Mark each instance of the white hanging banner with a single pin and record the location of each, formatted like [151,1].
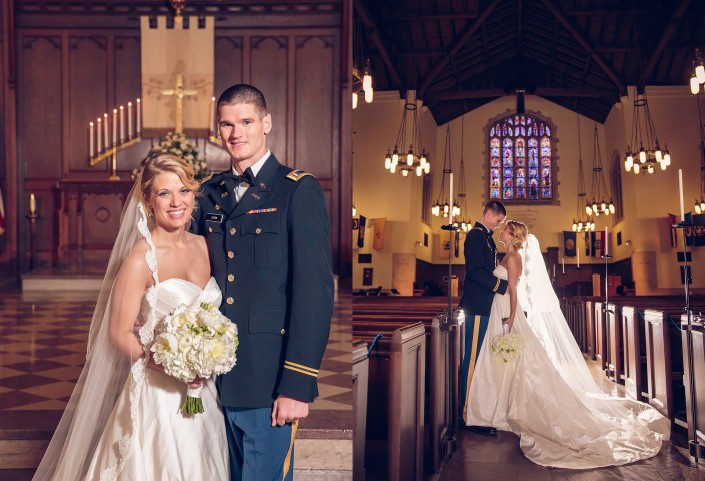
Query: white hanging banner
[177,74]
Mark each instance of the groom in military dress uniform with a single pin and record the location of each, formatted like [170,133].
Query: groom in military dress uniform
[267,231]
[479,288]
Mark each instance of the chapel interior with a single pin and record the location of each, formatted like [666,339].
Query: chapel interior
[581,84]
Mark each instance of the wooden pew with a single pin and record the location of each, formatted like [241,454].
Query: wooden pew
[371,317]
[405,422]
[360,367]
[634,345]
[444,369]
[664,364]
[614,336]
[590,329]
[696,427]
[600,325]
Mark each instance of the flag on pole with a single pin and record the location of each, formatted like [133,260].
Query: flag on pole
[674,231]
[378,241]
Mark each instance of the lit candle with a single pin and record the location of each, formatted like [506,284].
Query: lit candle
[139,115]
[114,127]
[578,258]
[98,137]
[122,123]
[32,204]
[105,130]
[607,242]
[680,191]
[211,117]
[554,270]
[563,265]
[129,120]
[90,140]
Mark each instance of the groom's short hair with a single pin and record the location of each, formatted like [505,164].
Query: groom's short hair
[244,94]
[496,207]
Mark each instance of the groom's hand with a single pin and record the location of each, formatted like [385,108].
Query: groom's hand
[287,410]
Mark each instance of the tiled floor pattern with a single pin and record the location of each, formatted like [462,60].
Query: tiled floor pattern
[42,349]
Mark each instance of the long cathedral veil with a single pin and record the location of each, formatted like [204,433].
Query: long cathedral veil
[544,315]
[104,373]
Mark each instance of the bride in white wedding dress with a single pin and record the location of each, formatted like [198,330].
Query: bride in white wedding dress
[548,397]
[123,420]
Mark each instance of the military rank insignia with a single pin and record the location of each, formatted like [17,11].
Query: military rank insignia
[297,175]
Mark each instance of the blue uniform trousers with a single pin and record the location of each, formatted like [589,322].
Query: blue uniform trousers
[258,451]
[475,329]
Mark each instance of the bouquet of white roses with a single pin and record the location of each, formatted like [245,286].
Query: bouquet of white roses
[195,341]
[507,346]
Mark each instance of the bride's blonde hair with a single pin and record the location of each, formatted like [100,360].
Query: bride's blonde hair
[518,231]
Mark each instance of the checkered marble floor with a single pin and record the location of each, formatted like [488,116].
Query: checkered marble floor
[43,346]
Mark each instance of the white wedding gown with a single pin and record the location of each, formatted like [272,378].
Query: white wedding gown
[560,423]
[169,445]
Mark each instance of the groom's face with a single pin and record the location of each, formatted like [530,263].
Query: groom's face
[494,220]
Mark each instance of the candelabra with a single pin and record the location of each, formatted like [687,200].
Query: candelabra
[101,146]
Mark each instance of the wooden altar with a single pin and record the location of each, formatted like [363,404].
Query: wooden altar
[89,219]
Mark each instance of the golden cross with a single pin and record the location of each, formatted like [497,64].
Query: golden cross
[179,92]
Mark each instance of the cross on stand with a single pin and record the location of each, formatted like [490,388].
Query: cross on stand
[179,92]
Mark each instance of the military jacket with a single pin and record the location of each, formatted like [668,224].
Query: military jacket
[270,254]
[480,283]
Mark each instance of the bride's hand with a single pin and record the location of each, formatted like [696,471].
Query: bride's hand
[196,383]
[510,323]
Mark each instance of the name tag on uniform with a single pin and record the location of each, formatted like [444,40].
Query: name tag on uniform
[214,217]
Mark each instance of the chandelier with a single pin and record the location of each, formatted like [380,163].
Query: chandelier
[698,77]
[439,209]
[700,206]
[416,158]
[598,187]
[644,135]
[361,79]
[579,224]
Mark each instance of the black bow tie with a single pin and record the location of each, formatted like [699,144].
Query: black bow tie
[246,177]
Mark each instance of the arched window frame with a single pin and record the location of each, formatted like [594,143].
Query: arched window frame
[540,143]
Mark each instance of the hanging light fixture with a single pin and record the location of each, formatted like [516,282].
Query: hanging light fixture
[460,222]
[361,78]
[442,206]
[649,154]
[598,187]
[698,73]
[580,224]
[416,158]
[699,207]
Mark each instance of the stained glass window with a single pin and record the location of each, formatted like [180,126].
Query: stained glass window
[521,160]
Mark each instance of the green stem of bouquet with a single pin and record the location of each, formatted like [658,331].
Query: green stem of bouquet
[192,405]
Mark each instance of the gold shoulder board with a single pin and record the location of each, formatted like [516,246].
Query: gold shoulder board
[297,175]
[207,178]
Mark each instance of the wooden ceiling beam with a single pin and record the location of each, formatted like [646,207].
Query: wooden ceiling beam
[586,46]
[378,41]
[665,37]
[457,45]
[540,91]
